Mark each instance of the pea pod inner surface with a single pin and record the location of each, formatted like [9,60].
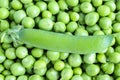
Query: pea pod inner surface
[64,42]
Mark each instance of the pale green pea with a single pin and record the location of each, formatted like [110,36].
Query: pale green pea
[72,3]
[45,58]
[99,32]
[19,15]
[40,71]
[107,31]
[1,68]
[101,58]
[46,14]
[112,16]
[39,64]
[37,52]
[81,32]
[22,77]
[2,56]
[63,5]
[74,16]
[28,61]
[63,55]
[53,7]
[114,57]
[117,49]
[4,13]
[72,26]
[10,53]
[26,1]
[10,77]
[76,8]
[7,63]
[77,71]
[103,77]
[59,65]
[52,74]
[111,5]
[7,39]
[89,58]
[41,5]
[35,77]
[108,68]
[76,77]
[4,25]
[86,77]
[4,3]
[97,3]
[116,27]
[59,27]
[16,4]
[2,77]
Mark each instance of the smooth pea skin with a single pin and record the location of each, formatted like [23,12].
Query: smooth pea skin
[86,77]
[1,68]
[4,25]
[4,3]
[74,16]
[76,77]
[72,3]
[59,65]
[111,5]
[26,1]
[22,77]
[4,13]
[63,5]
[46,14]
[117,70]
[35,77]
[10,77]
[7,63]
[2,77]
[59,27]
[116,27]
[41,5]
[17,69]
[114,57]
[2,56]
[33,11]
[97,3]
[40,39]
[16,4]
[10,53]
[91,18]
[45,24]
[103,77]
[53,7]
[63,55]
[37,52]
[72,26]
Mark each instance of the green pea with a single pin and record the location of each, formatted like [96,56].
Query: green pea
[63,5]
[91,18]
[45,24]
[77,71]
[92,29]
[39,64]
[17,69]
[63,17]
[82,18]
[52,74]
[35,77]
[86,7]
[37,19]
[117,17]
[45,58]
[59,27]
[116,27]
[117,70]
[41,5]
[52,55]
[72,3]
[11,12]
[81,32]
[6,72]
[37,52]
[1,68]
[4,4]
[10,77]
[4,25]
[4,13]
[26,1]
[7,63]
[101,58]
[33,11]
[21,52]
[2,56]
[74,16]
[22,77]
[16,4]
[103,77]
[28,61]
[28,5]
[28,22]
[72,26]
[117,39]
[1,77]
[86,77]
[40,71]
[53,7]
[10,53]
[76,8]
[105,22]
[59,65]
[97,3]
[74,60]
[112,16]
[103,10]
[89,58]
[19,15]
[7,39]
[108,68]
[85,1]
[117,49]
[63,55]
[118,4]
[107,31]
[76,77]
[114,57]
[46,14]
[92,69]
[111,5]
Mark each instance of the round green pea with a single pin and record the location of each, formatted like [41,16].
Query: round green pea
[22,77]
[72,3]
[103,10]
[59,65]
[46,14]
[74,60]
[52,55]
[76,8]
[7,63]
[74,16]
[118,5]
[53,7]
[21,52]
[10,53]
[37,52]
[101,58]
[35,77]
[45,58]
[114,57]
[63,17]
[103,77]
[41,5]
[45,24]
[62,5]
[4,3]
[33,11]
[59,27]
[19,15]
[6,72]
[63,55]
[82,18]
[26,1]
[40,71]
[81,32]
[97,3]
[77,71]
[112,16]
[117,70]
[111,5]
[92,69]
[16,4]
[117,49]
[86,7]
[10,77]
[17,69]
[72,26]
[4,13]
[85,1]
[2,57]
[76,77]
[116,27]
[4,25]
[39,64]
[91,18]
[107,31]
[28,22]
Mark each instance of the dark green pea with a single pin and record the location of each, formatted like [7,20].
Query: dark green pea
[6,72]
[118,4]
[118,17]
[117,70]
[117,49]
[82,18]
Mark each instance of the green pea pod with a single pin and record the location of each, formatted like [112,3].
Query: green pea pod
[63,42]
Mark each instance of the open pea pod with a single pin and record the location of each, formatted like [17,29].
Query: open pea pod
[64,42]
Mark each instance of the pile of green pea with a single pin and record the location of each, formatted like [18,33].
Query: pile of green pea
[74,17]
